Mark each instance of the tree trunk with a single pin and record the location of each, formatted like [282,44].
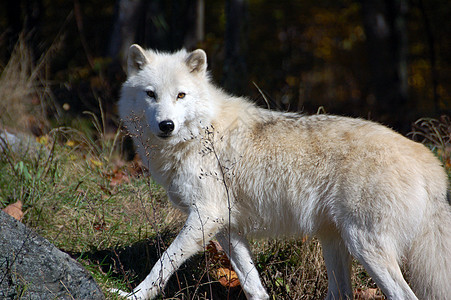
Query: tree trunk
[195,33]
[235,71]
[124,28]
[386,33]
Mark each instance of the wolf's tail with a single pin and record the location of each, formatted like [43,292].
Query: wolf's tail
[429,260]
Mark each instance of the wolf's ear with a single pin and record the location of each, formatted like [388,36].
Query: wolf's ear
[137,59]
[197,61]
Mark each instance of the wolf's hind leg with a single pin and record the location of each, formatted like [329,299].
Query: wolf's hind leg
[237,249]
[377,255]
[338,265]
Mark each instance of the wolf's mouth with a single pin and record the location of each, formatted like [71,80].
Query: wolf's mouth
[164,136]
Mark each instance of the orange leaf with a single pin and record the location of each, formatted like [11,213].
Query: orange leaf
[227,277]
[224,273]
[14,210]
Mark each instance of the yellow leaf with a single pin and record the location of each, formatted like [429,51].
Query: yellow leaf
[43,139]
[70,143]
[96,162]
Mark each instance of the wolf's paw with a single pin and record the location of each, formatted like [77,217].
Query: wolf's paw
[135,295]
[121,293]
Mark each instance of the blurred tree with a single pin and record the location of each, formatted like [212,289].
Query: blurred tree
[195,34]
[235,71]
[431,44]
[386,38]
[127,14]
[164,25]
[301,54]
[24,17]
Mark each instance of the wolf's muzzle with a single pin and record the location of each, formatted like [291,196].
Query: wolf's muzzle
[166,127]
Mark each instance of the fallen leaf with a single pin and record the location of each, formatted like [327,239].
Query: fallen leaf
[368,294]
[227,277]
[99,226]
[43,140]
[218,255]
[224,272]
[118,177]
[135,168]
[14,210]
[95,162]
[214,247]
[70,143]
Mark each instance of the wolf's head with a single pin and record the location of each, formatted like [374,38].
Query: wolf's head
[167,93]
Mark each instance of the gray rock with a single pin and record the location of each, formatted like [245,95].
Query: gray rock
[19,144]
[32,268]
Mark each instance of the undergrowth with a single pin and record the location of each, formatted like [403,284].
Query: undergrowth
[436,134]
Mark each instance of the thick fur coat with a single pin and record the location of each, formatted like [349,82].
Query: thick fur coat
[237,170]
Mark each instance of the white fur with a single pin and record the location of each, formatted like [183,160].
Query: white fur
[238,170]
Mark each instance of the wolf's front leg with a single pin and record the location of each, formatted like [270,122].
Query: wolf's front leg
[198,230]
[237,249]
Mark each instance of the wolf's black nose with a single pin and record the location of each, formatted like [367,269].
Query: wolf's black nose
[166,126]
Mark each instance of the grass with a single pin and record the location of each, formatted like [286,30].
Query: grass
[436,134]
[80,194]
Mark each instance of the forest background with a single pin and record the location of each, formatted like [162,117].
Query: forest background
[387,61]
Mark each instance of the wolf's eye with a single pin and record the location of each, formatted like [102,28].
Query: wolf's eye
[151,94]
[181,95]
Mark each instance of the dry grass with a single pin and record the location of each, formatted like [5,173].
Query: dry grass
[25,95]
[436,134]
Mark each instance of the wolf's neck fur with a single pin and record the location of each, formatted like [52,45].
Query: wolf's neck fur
[231,111]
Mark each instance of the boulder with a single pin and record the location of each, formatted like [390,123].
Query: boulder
[32,268]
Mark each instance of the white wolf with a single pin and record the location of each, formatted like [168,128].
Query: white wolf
[238,170]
